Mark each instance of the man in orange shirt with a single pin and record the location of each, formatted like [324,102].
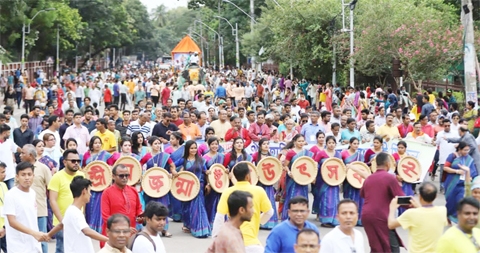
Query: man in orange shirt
[188,130]
[260,91]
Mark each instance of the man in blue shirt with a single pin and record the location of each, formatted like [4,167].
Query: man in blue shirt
[116,93]
[310,130]
[220,91]
[281,238]
[350,132]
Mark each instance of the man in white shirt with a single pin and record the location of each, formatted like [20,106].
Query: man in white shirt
[7,154]
[79,133]
[77,235]
[149,240]
[344,237]
[53,126]
[20,209]
[444,147]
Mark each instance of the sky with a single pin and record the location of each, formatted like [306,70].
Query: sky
[170,4]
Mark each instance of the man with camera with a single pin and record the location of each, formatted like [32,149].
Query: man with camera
[424,222]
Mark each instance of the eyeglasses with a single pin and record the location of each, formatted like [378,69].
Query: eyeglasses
[74,160]
[119,232]
[123,175]
[299,211]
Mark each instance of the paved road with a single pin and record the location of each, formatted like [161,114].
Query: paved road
[181,242]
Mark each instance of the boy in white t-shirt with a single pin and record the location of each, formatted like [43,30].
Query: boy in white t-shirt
[156,217]
[20,210]
[77,235]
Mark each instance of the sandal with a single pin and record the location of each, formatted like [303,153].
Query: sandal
[165,233]
[185,230]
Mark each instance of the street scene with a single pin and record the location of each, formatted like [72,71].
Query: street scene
[239,126]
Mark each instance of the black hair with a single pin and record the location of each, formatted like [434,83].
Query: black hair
[307,231]
[77,114]
[198,164]
[461,145]
[325,114]
[378,138]
[136,146]
[155,208]
[23,166]
[350,120]
[3,165]
[208,129]
[291,144]
[346,201]
[260,143]
[319,133]
[382,159]
[69,151]
[52,119]
[331,137]
[78,184]
[212,140]
[24,116]
[240,171]
[92,140]
[237,200]
[467,201]
[403,143]
[70,140]
[178,136]
[70,111]
[297,200]
[428,191]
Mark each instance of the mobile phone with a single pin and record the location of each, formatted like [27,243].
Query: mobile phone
[404,200]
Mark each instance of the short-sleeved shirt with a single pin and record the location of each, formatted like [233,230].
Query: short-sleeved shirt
[40,182]
[455,241]
[390,131]
[425,226]
[3,192]
[261,203]
[60,183]
[74,240]
[229,240]
[108,139]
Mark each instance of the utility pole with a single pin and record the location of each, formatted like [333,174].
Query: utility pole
[201,45]
[237,47]
[57,68]
[351,5]
[252,14]
[469,58]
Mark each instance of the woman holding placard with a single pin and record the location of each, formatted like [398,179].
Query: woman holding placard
[264,151]
[406,187]
[329,195]
[212,197]
[350,155]
[195,219]
[156,158]
[319,148]
[176,151]
[238,154]
[93,211]
[294,151]
[455,177]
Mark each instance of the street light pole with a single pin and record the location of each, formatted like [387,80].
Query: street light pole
[220,43]
[58,51]
[25,32]
[352,69]
[235,33]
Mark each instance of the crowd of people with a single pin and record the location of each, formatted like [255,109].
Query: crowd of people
[77,119]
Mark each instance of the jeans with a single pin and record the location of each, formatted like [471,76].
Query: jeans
[440,168]
[3,244]
[59,247]
[42,227]
[10,183]
[394,242]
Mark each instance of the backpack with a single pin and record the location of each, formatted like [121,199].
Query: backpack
[132,240]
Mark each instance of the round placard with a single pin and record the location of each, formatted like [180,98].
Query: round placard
[218,177]
[269,170]
[253,173]
[333,171]
[373,165]
[409,169]
[185,186]
[304,170]
[156,182]
[353,178]
[134,168]
[100,174]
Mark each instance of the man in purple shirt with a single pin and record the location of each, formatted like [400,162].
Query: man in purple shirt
[116,93]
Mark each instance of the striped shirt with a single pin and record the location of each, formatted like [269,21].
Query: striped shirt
[134,126]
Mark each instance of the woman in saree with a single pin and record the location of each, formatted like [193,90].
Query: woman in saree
[455,178]
[138,144]
[238,154]
[373,151]
[294,151]
[70,143]
[125,147]
[264,151]
[351,155]
[41,157]
[50,150]
[203,147]
[290,131]
[176,151]
[162,160]
[93,212]
[195,219]
[406,187]
[317,149]
[212,197]
[329,196]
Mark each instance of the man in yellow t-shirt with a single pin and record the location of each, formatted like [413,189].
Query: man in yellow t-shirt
[424,223]
[261,204]
[59,190]
[388,131]
[465,237]
[109,143]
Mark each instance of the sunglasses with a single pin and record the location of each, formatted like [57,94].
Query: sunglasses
[123,175]
[74,160]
